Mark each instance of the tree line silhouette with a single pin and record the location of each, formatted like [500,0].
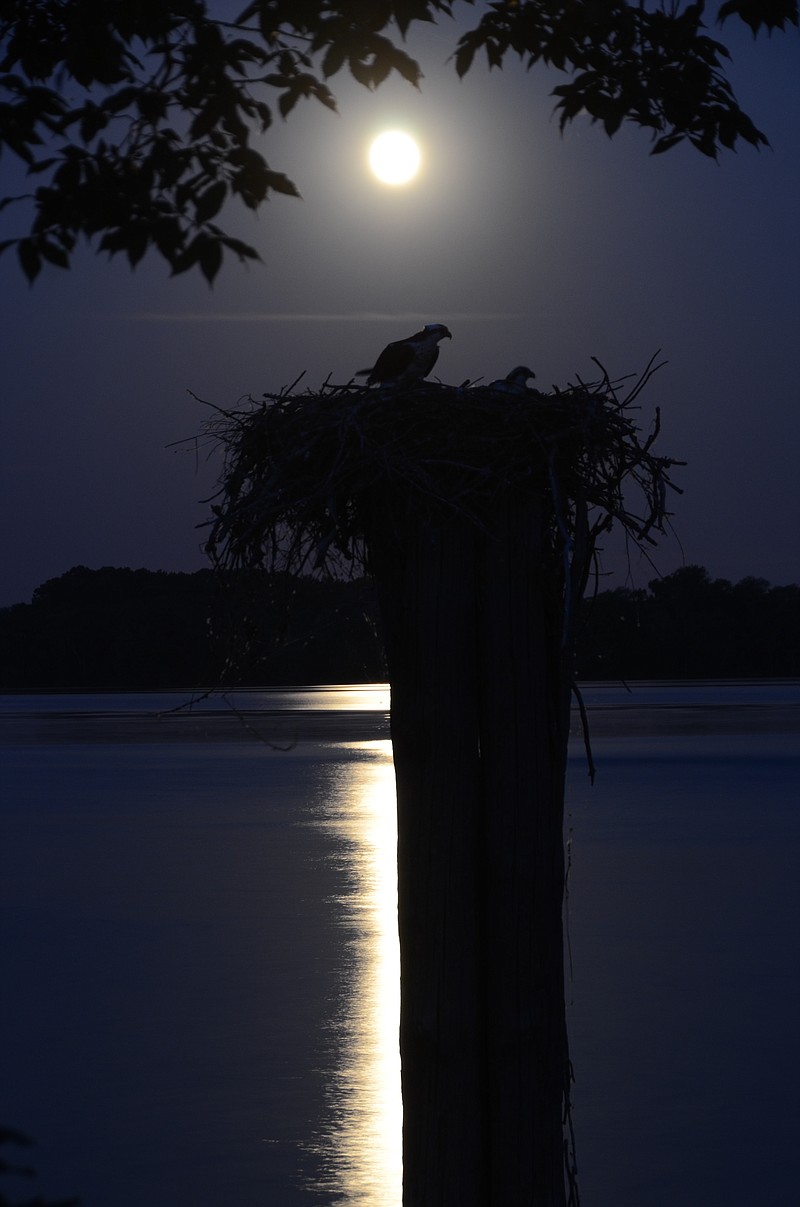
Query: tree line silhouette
[128,629]
[140,629]
[690,626]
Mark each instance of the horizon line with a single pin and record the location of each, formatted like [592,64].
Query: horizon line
[189,316]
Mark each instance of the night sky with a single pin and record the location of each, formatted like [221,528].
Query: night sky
[531,247]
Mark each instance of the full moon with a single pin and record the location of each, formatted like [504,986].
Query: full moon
[394,157]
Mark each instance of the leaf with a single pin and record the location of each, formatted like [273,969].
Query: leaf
[282,184]
[324,96]
[204,121]
[728,131]
[334,59]
[264,114]
[166,233]
[20,146]
[29,259]
[93,121]
[41,165]
[571,104]
[494,54]
[466,50]
[665,142]
[123,98]
[613,119]
[182,261]
[361,72]
[241,50]
[54,254]
[750,133]
[266,20]
[404,65]
[137,245]
[755,13]
[381,66]
[704,142]
[209,203]
[210,259]
[287,101]
[243,250]
[113,241]
[186,259]
[151,103]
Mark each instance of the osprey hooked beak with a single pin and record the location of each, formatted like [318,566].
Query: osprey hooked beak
[437,329]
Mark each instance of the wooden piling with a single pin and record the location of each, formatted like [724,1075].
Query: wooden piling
[479,737]
[477,512]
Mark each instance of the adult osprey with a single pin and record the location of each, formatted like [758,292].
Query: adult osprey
[514,382]
[407,361]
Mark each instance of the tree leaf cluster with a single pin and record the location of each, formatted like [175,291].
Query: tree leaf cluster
[655,67]
[158,136]
[137,123]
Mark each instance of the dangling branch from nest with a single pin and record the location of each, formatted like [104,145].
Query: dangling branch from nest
[301,470]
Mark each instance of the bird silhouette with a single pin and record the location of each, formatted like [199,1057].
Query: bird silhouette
[407,361]
[514,382]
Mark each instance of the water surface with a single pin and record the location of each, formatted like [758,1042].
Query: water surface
[199,962]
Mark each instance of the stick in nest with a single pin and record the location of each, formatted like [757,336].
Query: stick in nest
[301,471]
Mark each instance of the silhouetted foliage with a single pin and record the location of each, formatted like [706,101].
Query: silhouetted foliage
[108,627]
[690,626]
[126,629]
[10,1136]
[134,629]
[655,67]
[141,120]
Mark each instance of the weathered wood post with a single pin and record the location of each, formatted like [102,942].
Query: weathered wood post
[471,510]
[473,618]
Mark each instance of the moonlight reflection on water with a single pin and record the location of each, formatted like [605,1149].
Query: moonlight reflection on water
[208,925]
[362,1152]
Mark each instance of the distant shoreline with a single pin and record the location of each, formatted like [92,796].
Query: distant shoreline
[282,730]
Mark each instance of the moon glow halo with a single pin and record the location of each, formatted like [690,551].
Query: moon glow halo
[394,157]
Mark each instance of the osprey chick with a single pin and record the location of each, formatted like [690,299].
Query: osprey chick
[408,361]
[514,382]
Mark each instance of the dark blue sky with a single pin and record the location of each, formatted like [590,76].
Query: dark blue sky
[532,248]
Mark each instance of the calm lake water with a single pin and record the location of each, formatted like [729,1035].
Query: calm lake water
[199,966]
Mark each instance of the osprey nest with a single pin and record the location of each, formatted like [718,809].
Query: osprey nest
[308,475]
